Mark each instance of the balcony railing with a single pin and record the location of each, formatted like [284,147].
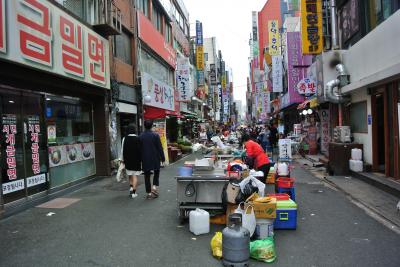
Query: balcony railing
[109,18]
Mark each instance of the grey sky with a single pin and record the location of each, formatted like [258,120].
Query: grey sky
[230,22]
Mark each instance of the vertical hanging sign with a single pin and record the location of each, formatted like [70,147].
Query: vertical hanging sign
[182,79]
[277,83]
[311,26]
[274,38]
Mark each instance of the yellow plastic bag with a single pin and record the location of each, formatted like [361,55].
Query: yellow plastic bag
[216,245]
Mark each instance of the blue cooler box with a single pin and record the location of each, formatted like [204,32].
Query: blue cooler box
[286,214]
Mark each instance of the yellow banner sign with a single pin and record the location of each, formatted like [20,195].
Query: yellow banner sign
[223,82]
[311,26]
[200,57]
[274,38]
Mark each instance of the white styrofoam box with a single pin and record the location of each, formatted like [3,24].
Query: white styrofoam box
[356,165]
[356,154]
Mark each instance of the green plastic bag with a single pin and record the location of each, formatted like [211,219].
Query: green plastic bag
[263,250]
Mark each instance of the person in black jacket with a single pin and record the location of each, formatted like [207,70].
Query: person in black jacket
[152,156]
[131,157]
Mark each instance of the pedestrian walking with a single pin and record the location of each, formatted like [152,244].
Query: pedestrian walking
[131,157]
[152,156]
[255,151]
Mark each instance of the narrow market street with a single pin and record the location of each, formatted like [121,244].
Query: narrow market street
[107,228]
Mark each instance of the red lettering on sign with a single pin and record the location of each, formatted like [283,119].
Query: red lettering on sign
[35,33]
[2,26]
[96,59]
[72,52]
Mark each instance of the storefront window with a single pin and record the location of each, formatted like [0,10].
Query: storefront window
[70,138]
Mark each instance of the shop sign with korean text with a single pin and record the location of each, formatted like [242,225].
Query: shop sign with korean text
[277,83]
[161,94]
[40,35]
[325,130]
[254,40]
[183,79]
[200,57]
[274,38]
[199,33]
[213,75]
[306,87]
[311,26]
[155,40]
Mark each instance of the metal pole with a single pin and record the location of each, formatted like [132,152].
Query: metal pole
[334,25]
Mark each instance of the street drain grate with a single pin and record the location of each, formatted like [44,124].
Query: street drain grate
[59,203]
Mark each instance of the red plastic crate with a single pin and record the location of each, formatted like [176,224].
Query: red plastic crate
[285,182]
[279,196]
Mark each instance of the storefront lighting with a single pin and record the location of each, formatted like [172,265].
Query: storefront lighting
[147,99]
[11,101]
[48,99]
[204,104]
[304,112]
[309,111]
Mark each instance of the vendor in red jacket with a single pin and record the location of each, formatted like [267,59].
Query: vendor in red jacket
[255,151]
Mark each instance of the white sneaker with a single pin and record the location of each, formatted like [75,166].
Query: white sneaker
[134,195]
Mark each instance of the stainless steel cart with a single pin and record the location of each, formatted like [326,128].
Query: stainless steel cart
[199,191]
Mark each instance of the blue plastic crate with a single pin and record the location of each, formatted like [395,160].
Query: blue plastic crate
[286,215]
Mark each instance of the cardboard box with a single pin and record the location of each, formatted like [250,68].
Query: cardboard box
[262,210]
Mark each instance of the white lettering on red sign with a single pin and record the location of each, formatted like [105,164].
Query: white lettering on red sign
[96,59]
[2,26]
[35,35]
[10,130]
[72,46]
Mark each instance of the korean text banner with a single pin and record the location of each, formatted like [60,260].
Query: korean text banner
[274,38]
[277,83]
[161,94]
[42,36]
[311,26]
[199,33]
[199,57]
[183,79]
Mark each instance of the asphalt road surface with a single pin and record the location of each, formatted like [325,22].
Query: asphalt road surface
[107,228]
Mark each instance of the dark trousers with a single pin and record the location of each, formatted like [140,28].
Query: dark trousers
[156,179]
[265,169]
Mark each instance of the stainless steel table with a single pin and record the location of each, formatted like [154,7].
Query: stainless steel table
[199,191]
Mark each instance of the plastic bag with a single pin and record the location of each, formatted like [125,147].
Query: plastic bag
[248,218]
[263,250]
[121,174]
[216,245]
[254,182]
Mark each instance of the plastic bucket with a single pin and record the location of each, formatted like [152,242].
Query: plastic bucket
[264,228]
[185,171]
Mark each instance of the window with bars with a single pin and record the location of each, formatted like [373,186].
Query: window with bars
[122,47]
